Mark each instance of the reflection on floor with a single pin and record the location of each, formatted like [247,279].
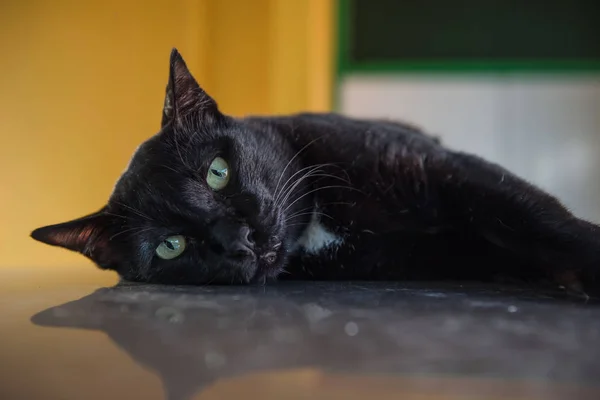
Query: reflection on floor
[347,340]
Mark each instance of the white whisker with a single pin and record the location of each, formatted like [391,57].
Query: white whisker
[308,213]
[295,184]
[321,188]
[283,188]
[293,158]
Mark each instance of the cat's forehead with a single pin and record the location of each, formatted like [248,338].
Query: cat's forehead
[165,164]
[138,168]
[145,154]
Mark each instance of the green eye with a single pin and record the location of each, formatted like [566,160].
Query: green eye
[171,247]
[218,174]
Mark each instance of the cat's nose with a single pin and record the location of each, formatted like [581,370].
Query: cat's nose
[245,236]
[243,245]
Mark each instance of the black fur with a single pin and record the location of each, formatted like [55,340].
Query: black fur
[405,206]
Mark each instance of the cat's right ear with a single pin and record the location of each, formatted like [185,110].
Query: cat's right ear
[89,235]
[184,96]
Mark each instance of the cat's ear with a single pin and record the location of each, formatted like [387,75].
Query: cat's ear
[183,95]
[89,235]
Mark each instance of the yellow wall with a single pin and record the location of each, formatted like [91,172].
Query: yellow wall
[82,84]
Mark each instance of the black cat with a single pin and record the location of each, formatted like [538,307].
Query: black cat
[217,199]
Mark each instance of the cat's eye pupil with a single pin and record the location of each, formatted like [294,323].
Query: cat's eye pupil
[218,174]
[171,247]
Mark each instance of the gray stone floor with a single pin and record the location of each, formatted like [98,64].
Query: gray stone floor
[192,337]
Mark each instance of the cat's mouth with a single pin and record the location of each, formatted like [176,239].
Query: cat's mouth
[266,265]
[255,264]
[270,257]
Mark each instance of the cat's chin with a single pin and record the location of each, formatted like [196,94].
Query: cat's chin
[264,276]
[271,262]
[264,271]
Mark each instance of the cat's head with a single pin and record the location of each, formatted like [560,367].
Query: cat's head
[203,201]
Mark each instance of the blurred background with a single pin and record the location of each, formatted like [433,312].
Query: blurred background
[82,84]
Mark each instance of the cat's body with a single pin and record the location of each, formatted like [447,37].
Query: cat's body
[320,196]
[417,210]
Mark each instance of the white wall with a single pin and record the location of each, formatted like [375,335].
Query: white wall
[544,128]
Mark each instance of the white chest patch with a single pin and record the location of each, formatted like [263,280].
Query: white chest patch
[316,237]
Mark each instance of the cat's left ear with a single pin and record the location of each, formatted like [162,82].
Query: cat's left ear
[89,235]
[183,95]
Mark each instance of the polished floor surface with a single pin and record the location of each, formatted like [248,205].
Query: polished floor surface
[66,336]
